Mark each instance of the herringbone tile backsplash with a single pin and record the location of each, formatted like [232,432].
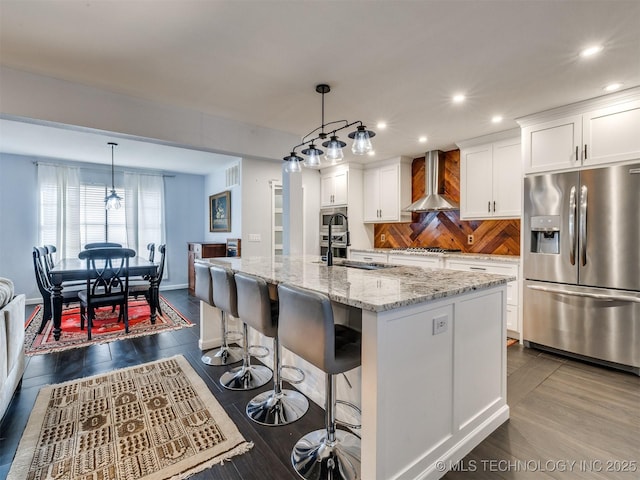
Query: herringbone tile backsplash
[445,229]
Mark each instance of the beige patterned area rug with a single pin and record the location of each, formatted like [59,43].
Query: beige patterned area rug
[154,421]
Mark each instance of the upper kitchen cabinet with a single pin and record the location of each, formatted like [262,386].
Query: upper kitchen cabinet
[334,187]
[593,132]
[491,176]
[387,190]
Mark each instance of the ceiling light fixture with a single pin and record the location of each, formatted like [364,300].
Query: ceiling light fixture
[112,201]
[496,119]
[612,87]
[590,51]
[422,139]
[459,98]
[361,142]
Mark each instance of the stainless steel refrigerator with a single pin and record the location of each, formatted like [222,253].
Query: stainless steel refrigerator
[581,264]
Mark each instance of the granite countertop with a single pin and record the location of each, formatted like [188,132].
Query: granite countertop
[513,259]
[374,290]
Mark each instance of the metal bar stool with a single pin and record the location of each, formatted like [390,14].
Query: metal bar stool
[225,355]
[306,327]
[273,407]
[225,297]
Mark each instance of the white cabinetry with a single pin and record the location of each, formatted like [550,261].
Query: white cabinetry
[417,260]
[387,190]
[368,257]
[491,177]
[604,130]
[471,265]
[334,187]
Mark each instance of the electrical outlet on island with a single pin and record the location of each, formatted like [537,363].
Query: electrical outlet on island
[470,239]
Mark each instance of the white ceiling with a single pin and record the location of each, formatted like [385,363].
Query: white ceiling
[259,61]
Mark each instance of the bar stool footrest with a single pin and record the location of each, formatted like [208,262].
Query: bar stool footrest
[354,407]
[259,347]
[293,381]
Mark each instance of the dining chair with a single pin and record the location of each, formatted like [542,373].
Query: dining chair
[69,292]
[89,246]
[139,287]
[107,283]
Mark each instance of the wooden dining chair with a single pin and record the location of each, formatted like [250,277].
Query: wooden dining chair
[89,246]
[107,283]
[143,287]
[69,292]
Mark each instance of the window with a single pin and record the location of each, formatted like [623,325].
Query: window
[97,224]
[72,211]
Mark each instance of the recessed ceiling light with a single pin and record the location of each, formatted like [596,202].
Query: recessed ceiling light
[612,87]
[422,139]
[496,119]
[371,153]
[590,51]
[458,98]
[382,125]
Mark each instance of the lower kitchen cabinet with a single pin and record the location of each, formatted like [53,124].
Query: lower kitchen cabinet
[499,268]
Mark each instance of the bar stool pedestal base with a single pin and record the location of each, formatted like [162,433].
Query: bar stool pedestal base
[273,409]
[314,458]
[246,378]
[222,356]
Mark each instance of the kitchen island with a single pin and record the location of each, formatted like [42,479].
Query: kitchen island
[432,384]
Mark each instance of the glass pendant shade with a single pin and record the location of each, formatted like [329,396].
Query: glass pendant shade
[313,156]
[361,140]
[293,163]
[334,149]
[112,201]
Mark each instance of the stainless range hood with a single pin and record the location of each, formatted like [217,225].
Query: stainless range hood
[433,200]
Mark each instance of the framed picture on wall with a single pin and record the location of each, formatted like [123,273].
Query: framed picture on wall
[220,212]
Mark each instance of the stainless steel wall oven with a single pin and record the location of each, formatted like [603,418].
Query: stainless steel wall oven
[338,232]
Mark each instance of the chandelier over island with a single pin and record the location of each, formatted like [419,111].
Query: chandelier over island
[361,142]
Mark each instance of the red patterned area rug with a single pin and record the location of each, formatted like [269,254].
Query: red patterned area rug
[154,421]
[106,327]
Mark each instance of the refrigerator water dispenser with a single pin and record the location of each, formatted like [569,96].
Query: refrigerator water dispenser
[545,234]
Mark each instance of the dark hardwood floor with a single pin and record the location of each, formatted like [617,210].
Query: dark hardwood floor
[561,411]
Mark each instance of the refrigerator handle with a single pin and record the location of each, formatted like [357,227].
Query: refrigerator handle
[596,296]
[583,225]
[572,225]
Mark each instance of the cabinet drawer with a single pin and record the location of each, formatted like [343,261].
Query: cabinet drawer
[368,257]
[416,261]
[471,266]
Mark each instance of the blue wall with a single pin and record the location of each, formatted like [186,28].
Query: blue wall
[19,222]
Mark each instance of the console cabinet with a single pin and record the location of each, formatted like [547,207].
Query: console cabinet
[202,250]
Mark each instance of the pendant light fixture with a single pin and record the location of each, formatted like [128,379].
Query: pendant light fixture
[361,142]
[112,201]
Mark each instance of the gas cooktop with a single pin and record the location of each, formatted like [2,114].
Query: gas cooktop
[424,250]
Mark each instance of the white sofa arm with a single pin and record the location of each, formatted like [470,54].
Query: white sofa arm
[12,361]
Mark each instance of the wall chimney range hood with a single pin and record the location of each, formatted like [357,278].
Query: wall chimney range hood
[433,200]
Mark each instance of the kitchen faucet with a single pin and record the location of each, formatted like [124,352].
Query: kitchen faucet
[329,251]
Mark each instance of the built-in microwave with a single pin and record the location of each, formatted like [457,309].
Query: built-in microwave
[339,224]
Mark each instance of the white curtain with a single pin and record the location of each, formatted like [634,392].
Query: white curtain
[59,215]
[144,211]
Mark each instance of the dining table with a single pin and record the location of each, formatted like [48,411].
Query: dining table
[74,269]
